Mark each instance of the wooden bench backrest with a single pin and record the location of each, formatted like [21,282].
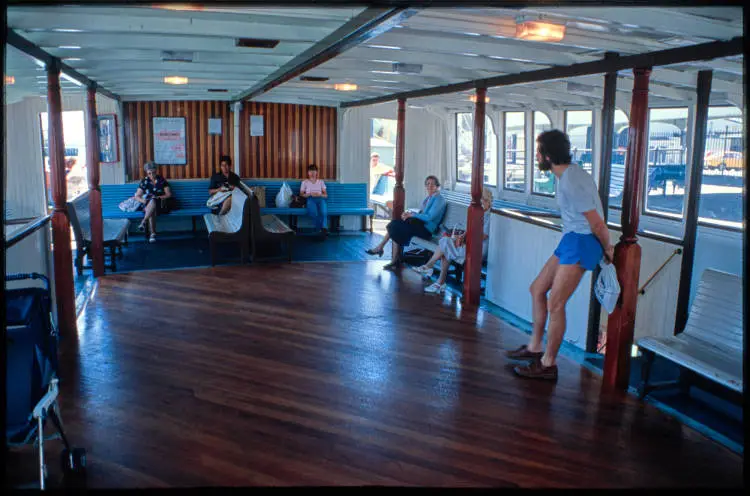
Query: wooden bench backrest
[79,215]
[238,212]
[716,314]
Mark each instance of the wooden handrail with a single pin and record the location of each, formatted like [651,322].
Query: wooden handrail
[27,231]
[642,291]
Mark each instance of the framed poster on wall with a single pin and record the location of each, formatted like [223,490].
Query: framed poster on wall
[169,141]
[107,131]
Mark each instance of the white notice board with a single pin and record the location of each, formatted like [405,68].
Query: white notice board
[256,125]
[169,141]
[214,126]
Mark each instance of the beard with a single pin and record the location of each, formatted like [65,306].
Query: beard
[544,165]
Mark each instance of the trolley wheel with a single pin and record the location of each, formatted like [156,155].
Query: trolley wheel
[73,462]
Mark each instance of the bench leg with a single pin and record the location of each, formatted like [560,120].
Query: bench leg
[289,248]
[212,248]
[648,361]
[193,220]
[113,256]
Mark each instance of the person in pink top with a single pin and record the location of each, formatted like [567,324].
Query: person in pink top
[314,190]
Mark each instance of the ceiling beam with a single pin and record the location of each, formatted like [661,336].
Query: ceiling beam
[705,51]
[368,24]
[21,43]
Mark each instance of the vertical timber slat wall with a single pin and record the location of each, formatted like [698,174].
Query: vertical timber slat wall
[203,150]
[294,136]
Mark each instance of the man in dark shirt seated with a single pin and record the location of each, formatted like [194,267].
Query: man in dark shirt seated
[223,181]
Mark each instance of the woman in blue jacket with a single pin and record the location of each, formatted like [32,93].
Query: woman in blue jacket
[422,224]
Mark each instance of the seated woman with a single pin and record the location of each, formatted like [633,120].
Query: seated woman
[156,196]
[314,190]
[422,224]
[222,181]
[452,249]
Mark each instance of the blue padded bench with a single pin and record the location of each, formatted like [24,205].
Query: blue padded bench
[343,199]
[190,196]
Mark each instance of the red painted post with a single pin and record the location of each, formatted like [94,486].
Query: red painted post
[64,289]
[95,194]
[475,214]
[399,195]
[621,323]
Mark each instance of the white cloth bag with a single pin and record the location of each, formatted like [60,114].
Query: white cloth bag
[217,198]
[607,287]
[284,196]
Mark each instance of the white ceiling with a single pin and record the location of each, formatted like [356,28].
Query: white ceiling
[121,49]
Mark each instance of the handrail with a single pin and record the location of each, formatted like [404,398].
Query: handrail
[643,288]
[27,231]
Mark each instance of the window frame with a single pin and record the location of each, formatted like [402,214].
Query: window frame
[533,128]
[524,190]
[455,130]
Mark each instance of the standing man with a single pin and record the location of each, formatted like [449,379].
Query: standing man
[585,238]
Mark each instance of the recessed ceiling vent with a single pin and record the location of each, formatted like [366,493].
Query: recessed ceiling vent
[256,43]
[407,68]
[217,90]
[313,78]
[174,56]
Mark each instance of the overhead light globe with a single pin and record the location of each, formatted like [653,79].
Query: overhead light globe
[176,80]
[345,87]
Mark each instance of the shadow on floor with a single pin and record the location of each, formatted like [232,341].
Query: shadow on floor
[700,406]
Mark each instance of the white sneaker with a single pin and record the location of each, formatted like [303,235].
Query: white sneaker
[423,270]
[152,238]
[435,288]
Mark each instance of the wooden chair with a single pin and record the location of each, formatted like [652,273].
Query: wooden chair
[115,234]
[233,227]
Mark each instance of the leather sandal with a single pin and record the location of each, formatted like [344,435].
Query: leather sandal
[372,251]
[535,370]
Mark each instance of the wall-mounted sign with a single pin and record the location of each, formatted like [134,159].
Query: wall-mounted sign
[214,126]
[169,141]
[107,131]
[256,125]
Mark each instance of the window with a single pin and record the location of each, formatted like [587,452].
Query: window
[465,148]
[75,153]
[579,128]
[667,150]
[723,168]
[515,151]
[544,182]
[619,151]
[382,163]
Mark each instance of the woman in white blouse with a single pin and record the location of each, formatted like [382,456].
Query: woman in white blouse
[314,190]
[452,249]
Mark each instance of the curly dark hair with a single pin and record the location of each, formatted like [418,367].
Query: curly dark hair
[556,145]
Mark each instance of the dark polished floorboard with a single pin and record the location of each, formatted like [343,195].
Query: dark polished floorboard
[340,374]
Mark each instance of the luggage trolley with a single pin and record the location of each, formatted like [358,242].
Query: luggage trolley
[32,376]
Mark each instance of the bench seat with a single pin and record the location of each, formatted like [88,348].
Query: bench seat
[711,345]
[114,233]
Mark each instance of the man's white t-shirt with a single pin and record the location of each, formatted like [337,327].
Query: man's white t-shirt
[577,193]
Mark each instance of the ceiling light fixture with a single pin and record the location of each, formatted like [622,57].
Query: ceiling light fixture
[69,47]
[387,47]
[66,30]
[72,59]
[176,80]
[10,80]
[178,6]
[473,98]
[539,30]
[345,87]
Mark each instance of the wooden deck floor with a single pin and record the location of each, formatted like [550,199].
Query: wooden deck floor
[341,374]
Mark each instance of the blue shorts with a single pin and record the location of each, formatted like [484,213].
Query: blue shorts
[583,249]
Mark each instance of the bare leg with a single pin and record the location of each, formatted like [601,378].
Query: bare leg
[435,257]
[152,223]
[226,206]
[565,283]
[383,242]
[539,288]
[148,212]
[444,264]
[396,253]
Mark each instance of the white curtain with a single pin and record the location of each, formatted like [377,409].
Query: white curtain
[24,166]
[353,153]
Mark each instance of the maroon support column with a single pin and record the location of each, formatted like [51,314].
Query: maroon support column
[621,323]
[95,194]
[475,214]
[399,195]
[64,290]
